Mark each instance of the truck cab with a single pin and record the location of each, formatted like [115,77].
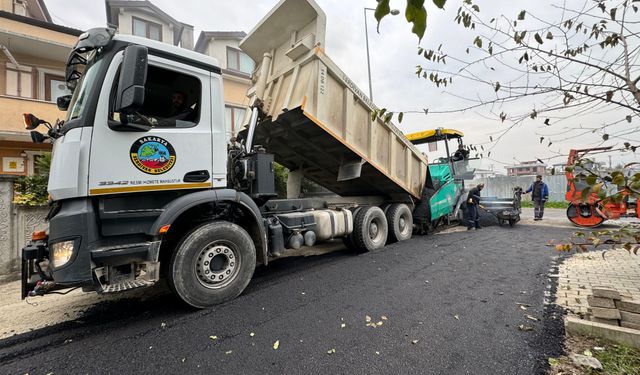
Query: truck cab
[144,128]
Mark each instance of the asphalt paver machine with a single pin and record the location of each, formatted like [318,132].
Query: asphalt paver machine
[444,190]
[445,193]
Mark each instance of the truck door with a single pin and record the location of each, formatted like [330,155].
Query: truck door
[176,153]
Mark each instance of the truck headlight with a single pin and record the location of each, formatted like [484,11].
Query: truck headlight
[61,253]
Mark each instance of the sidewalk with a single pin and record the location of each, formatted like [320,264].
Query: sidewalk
[578,275]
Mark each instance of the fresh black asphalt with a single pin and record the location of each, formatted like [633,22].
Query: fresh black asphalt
[457,294]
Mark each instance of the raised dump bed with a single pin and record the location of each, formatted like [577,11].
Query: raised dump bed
[319,122]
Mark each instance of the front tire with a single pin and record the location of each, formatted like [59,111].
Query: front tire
[212,264]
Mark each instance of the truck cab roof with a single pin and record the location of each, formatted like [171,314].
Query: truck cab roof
[176,53]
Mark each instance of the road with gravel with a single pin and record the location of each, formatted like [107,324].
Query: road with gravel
[451,303]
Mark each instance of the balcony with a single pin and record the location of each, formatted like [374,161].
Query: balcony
[11,125]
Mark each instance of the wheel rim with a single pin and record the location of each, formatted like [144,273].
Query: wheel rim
[375,234]
[403,225]
[217,265]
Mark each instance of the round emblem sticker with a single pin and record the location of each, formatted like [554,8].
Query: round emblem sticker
[153,155]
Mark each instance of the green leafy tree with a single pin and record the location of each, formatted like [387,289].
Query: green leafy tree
[32,190]
[415,13]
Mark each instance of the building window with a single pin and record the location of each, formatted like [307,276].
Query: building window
[239,61]
[19,81]
[147,29]
[20,7]
[233,116]
[54,87]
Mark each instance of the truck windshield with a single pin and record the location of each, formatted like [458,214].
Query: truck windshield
[79,98]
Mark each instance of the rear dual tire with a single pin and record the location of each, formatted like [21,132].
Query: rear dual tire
[370,230]
[400,220]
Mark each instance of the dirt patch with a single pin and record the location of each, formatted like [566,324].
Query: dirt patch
[616,359]
[573,344]
[18,316]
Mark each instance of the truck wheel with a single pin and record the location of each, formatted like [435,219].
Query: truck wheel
[212,264]
[400,222]
[369,229]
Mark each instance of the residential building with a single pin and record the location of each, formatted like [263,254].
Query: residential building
[237,68]
[143,18]
[527,168]
[33,55]
[485,173]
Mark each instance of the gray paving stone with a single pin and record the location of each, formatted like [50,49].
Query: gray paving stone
[629,306]
[599,312]
[601,302]
[630,317]
[606,292]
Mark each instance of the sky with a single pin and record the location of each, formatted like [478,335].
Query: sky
[393,62]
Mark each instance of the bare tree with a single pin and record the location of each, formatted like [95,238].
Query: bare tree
[579,59]
[584,61]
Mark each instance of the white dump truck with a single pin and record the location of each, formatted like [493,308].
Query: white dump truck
[147,182]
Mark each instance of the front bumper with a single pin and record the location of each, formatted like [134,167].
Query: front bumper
[97,263]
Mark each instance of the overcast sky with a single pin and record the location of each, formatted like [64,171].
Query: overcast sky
[393,61]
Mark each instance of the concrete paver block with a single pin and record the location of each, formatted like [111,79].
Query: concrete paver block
[630,317]
[613,322]
[630,306]
[623,335]
[599,312]
[606,292]
[630,325]
[606,303]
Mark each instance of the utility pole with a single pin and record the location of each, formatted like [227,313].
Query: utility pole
[366,35]
[393,12]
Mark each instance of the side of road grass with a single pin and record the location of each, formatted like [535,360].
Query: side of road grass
[615,359]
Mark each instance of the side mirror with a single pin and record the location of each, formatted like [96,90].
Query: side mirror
[63,102]
[30,121]
[133,76]
[37,137]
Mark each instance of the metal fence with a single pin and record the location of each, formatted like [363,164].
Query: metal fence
[502,186]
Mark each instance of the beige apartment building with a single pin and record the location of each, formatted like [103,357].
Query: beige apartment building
[33,54]
[237,68]
[143,18]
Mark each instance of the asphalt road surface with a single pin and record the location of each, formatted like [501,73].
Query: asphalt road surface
[440,304]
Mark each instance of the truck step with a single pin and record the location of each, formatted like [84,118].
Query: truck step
[125,285]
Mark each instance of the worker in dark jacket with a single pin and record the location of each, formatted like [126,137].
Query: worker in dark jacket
[473,201]
[539,195]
